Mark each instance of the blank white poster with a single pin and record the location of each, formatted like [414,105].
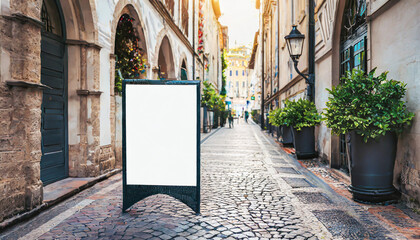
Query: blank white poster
[161,135]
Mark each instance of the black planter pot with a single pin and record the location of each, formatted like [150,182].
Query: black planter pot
[286,135]
[205,119]
[209,120]
[372,168]
[304,142]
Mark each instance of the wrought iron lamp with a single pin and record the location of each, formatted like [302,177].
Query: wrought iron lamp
[294,42]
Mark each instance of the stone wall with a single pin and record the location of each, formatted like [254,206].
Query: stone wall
[118,130]
[395,44]
[20,108]
[86,154]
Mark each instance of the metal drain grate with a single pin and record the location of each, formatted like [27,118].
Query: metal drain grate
[297,182]
[286,170]
[312,197]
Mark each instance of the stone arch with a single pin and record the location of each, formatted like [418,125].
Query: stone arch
[130,8]
[83,74]
[165,59]
[81,20]
[159,38]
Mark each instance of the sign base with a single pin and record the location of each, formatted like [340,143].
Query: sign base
[188,195]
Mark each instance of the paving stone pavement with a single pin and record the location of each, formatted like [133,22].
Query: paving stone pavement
[250,190]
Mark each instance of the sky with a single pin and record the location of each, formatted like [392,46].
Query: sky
[241,17]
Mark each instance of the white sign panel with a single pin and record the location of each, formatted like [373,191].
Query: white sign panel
[161,135]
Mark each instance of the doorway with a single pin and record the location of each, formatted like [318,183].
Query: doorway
[353,45]
[54,160]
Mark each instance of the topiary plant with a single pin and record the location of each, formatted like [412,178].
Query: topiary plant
[369,105]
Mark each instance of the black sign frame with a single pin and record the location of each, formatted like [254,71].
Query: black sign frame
[189,195]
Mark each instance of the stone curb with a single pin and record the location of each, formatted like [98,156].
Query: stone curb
[46,205]
[210,134]
[306,172]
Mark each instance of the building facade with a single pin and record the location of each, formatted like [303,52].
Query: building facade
[254,67]
[364,34]
[238,79]
[60,115]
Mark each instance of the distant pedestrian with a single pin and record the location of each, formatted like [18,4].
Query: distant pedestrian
[246,116]
[230,119]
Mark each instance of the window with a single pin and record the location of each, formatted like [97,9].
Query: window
[243,72]
[359,55]
[237,89]
[230,72]
[50,17]
[236,72]
[243,84]
[353,56]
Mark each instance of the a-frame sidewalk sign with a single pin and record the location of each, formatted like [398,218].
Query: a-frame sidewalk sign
[161,140]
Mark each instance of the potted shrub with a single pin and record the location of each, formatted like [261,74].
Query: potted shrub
[371,112]
[302,116]
[275,118]
[255,116]
[207,103]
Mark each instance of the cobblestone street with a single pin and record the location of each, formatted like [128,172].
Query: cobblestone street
[251,189]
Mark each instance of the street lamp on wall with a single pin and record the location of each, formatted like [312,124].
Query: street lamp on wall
[294,42]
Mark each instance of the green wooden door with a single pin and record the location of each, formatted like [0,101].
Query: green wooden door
[54,164]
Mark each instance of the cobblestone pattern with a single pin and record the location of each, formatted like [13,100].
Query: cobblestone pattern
[239,201]
[243,197]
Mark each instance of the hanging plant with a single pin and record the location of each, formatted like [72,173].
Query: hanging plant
[200,47]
